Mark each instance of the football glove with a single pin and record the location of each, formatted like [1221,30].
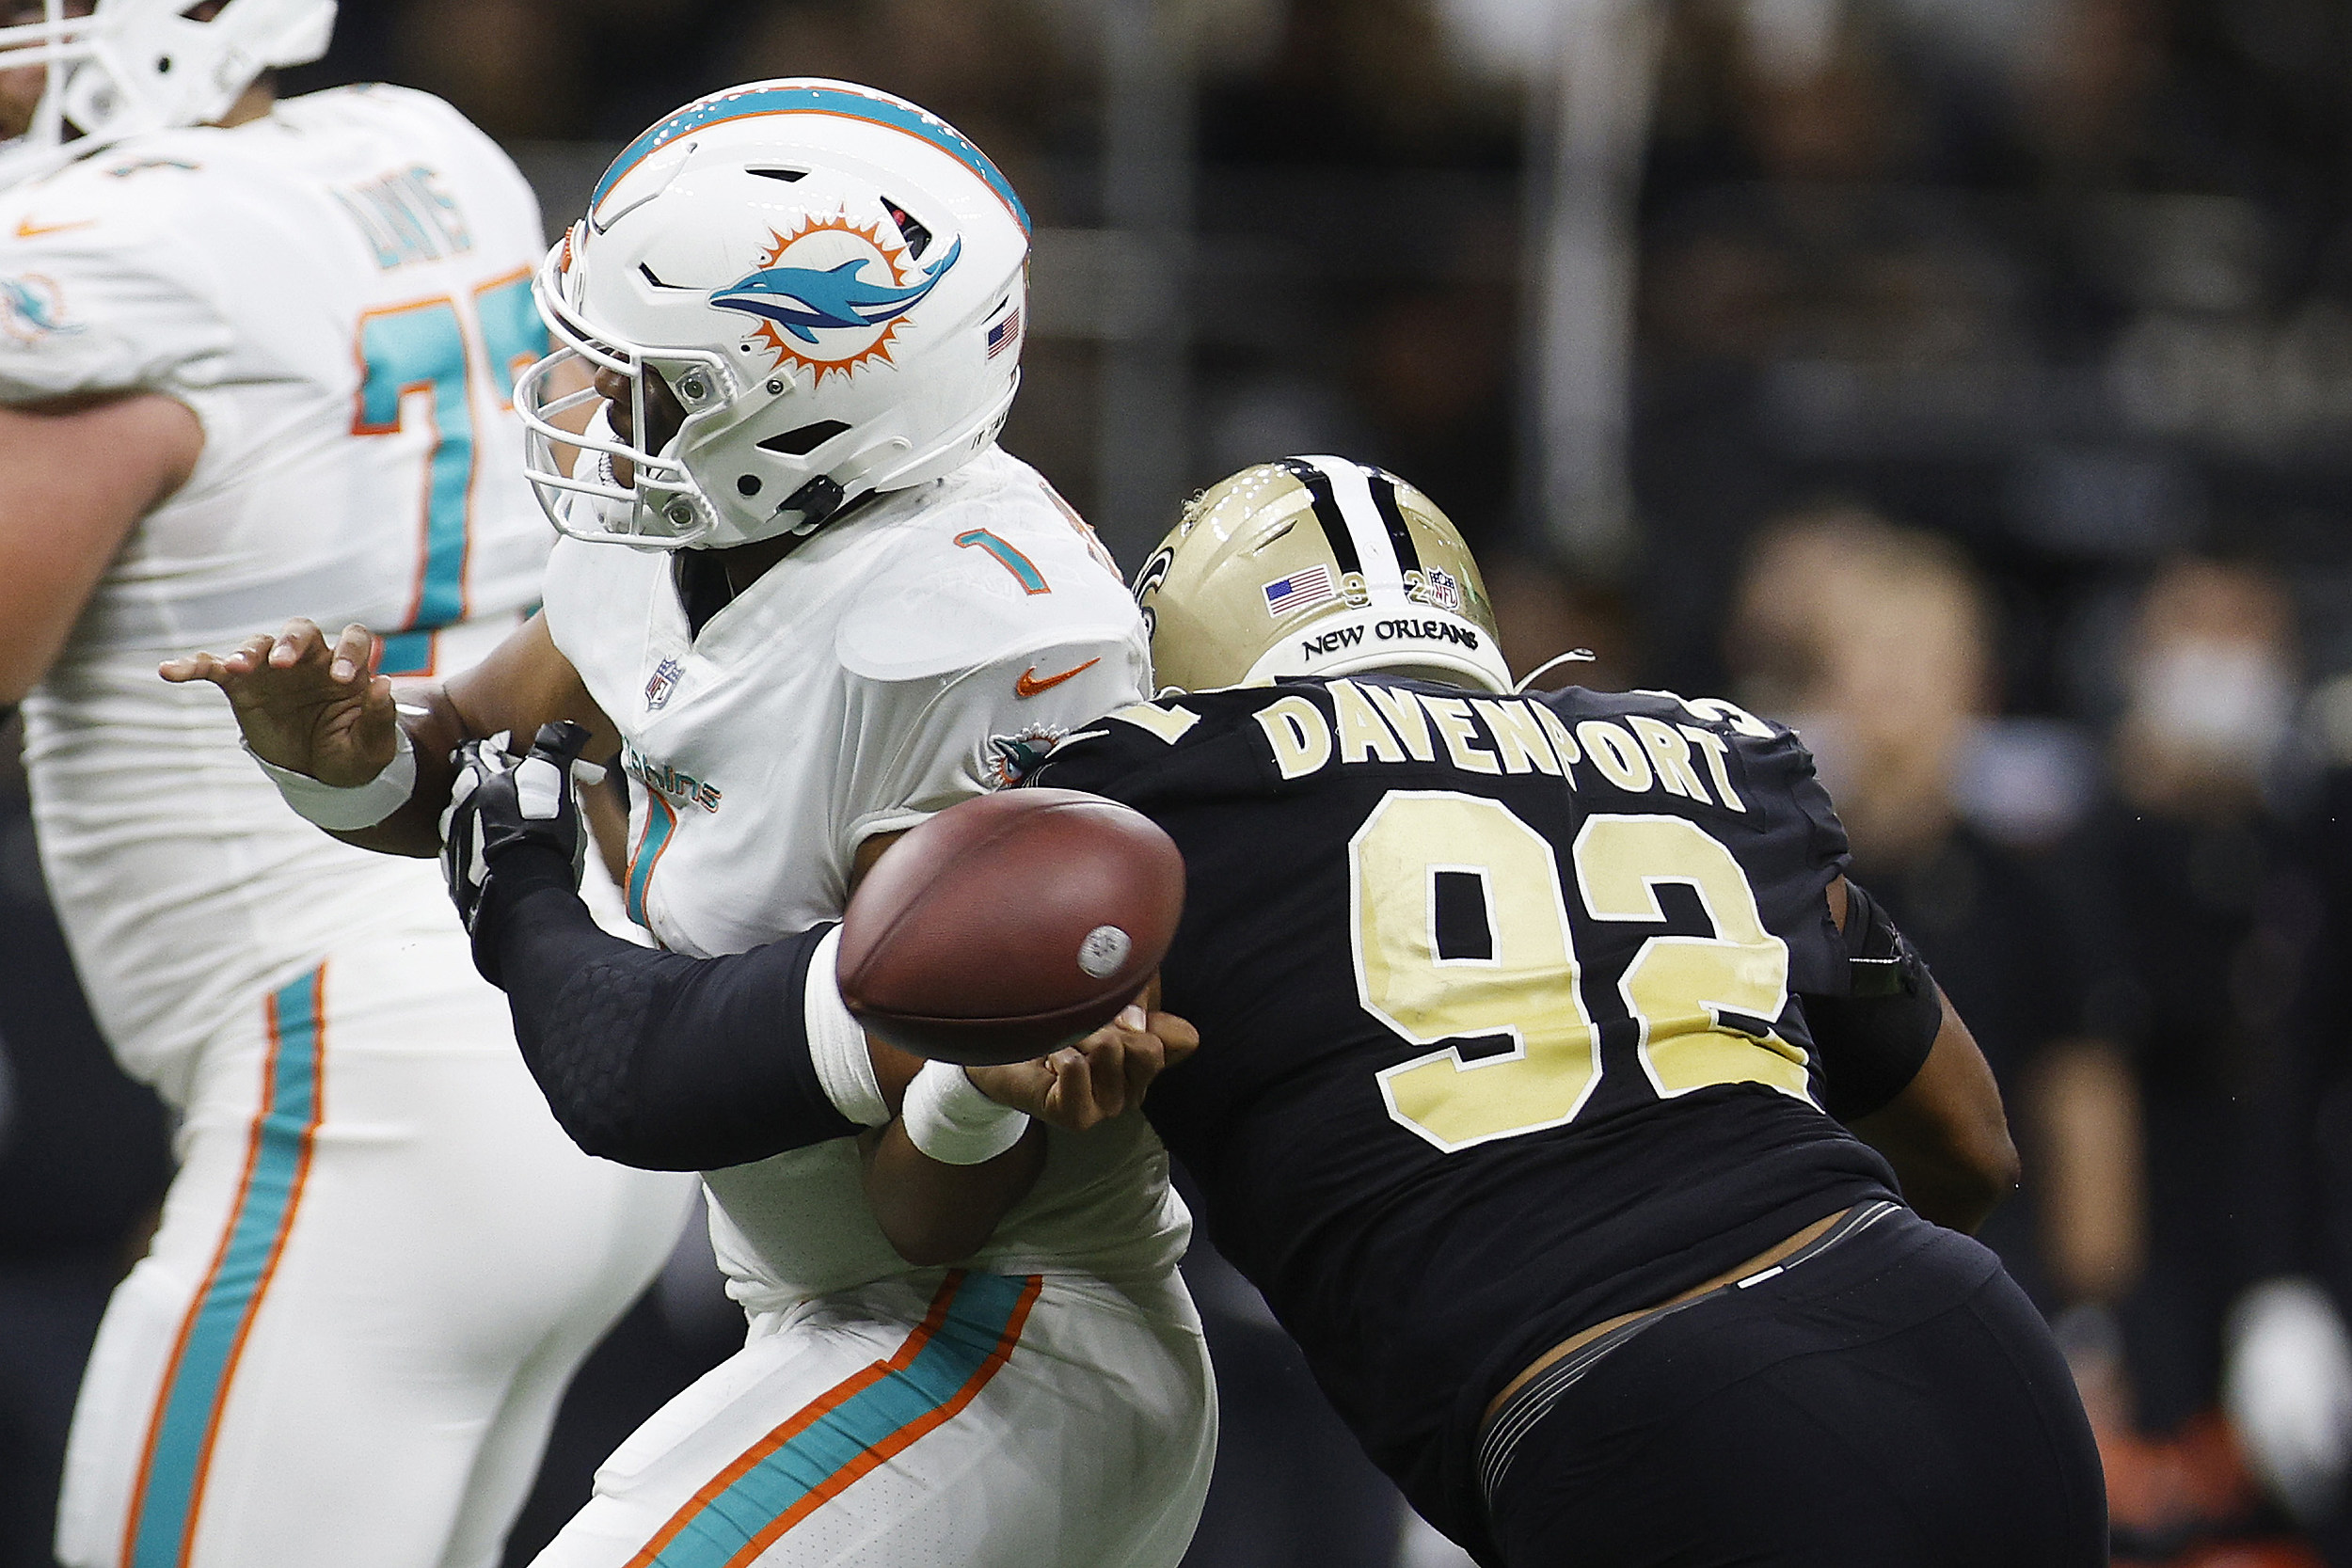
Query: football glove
[499,808]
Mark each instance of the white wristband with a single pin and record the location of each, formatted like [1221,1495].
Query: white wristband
[836,1046]
[341,810]
[953,1122]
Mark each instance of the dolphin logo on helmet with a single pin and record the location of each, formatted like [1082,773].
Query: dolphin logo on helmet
[801,299]
[898,245]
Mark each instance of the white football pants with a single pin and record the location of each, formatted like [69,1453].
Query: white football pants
[935,1420]
[378,1266]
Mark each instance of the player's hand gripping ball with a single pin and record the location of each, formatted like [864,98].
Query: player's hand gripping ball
[498,804]
[1007,926]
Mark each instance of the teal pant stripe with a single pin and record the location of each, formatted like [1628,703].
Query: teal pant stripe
[216,1326]
[661,822]
[983,1308]
[408,653]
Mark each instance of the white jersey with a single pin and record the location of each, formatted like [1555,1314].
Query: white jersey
[914,654]
[342,293]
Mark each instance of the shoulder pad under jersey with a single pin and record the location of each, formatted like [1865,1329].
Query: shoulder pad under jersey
[982,573]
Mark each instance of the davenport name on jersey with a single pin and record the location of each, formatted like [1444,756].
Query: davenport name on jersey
[1498,1003]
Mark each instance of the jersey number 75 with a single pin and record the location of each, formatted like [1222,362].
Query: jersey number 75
[425,347]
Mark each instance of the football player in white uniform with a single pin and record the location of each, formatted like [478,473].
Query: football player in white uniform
[256,360]
[810,602]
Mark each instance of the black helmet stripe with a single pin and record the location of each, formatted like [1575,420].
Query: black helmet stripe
[1327,513]
[1393,516]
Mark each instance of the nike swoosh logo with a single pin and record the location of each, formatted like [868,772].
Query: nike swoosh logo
[1029,685]
[26,229]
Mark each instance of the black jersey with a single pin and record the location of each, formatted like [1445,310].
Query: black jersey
[1499,1019]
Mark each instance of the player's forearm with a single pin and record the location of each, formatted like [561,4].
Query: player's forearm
[1946,1134]
[524,683]
[435,730]
[934,1212]
[82,473]
[38,628]
[656,1059]
[1905,1075]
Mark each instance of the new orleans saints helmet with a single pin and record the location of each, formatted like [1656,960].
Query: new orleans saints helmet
[1316,566]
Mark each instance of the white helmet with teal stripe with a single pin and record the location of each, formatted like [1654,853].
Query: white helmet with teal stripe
[827,279]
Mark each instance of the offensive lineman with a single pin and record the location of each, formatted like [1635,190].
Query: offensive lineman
[810,603]
[256,358]
[1519,1019]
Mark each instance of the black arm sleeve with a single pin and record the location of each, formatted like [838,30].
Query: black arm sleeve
[653,1059]
[1874,1038]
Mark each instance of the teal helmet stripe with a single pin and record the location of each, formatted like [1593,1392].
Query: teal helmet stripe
[813,98]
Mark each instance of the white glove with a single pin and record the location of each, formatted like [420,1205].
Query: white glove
[2287,1387]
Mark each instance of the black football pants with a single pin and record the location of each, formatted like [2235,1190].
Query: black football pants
[1892,1402]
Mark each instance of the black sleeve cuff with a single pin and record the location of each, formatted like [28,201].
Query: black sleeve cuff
[1875,1036]
[651,1058]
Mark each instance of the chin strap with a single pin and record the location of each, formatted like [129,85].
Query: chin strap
[816,501]
[1572,656]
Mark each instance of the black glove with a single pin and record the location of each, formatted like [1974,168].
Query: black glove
[512,827]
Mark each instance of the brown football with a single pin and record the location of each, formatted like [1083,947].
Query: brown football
[1009,926]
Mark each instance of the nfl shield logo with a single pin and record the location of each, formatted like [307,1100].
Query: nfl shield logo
[666,678]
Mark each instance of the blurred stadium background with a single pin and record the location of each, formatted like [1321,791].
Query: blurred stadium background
[1968,382]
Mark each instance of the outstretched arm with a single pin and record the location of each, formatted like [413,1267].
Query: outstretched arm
[660,1060]
[315,707]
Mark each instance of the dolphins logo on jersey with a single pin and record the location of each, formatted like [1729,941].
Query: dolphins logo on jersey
[32,307]
[821,279]
[1007,759]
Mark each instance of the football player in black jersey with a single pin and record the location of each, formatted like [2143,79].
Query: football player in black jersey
[1540,1039]
[1532,1026]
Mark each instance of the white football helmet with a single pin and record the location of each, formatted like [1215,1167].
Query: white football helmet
[133,66]
[828,279]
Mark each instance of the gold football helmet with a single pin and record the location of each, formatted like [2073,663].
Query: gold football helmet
[1316,566]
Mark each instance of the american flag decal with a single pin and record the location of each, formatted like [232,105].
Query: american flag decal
[1299,590]
[1004,333]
